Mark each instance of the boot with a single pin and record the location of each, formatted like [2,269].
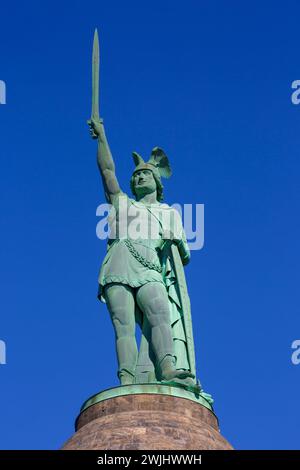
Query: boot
[169,372]
[126,377]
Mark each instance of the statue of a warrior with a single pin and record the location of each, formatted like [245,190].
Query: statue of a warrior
[142,277]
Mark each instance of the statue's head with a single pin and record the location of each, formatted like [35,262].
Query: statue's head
[146,177]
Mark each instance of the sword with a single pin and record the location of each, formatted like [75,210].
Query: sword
[95,84]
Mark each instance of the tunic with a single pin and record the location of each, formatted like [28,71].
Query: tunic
[143,225]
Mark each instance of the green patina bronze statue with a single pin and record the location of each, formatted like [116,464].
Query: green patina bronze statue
[142,277]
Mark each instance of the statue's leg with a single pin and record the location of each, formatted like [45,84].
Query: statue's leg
[153,300]
[121,305]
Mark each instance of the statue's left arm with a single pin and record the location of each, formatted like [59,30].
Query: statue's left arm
[175,234]
[184,250]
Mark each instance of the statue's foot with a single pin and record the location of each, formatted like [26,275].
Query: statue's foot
[126,378]
[176,374]
[169,371]
[187,383]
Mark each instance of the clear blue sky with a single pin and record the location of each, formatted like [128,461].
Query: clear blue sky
[211,84]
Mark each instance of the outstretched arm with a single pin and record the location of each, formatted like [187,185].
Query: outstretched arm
[105,161]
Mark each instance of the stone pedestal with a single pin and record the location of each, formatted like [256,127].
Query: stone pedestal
[147,417]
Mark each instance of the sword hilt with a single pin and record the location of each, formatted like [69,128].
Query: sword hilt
[92,122]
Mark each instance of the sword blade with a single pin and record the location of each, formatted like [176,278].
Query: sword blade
[95,77]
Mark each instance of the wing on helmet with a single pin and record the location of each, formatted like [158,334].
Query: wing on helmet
[161,161]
